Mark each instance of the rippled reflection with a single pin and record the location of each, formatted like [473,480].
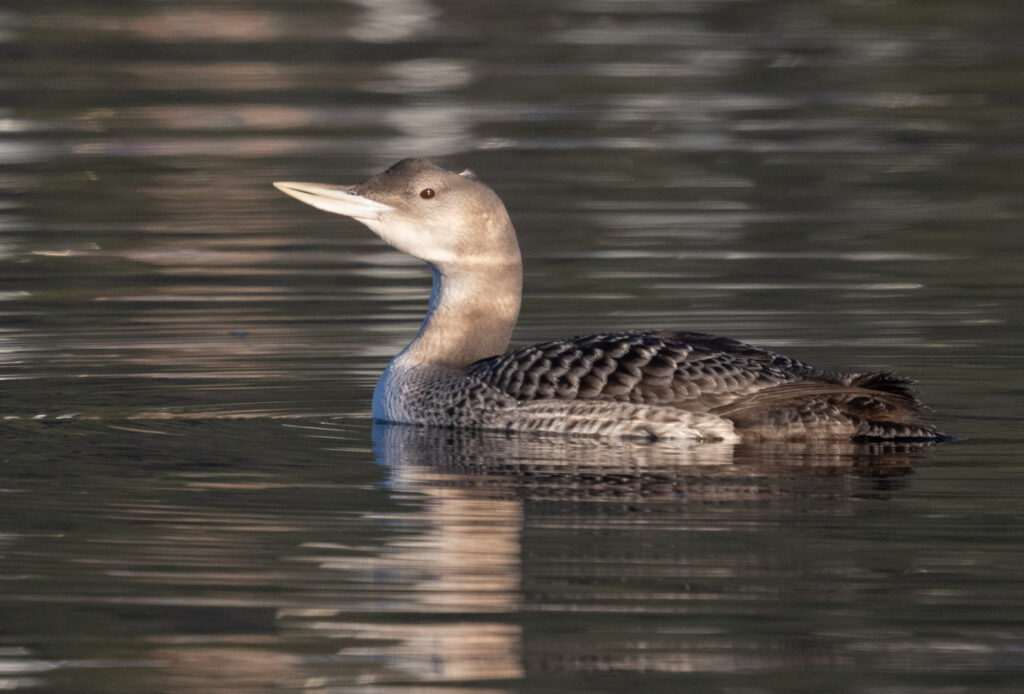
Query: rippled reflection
[248,550]
[538,466]
[393,20]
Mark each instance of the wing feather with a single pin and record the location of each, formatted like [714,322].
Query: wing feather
[764,394]
[692,371]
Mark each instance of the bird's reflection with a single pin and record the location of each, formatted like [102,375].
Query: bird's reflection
[538,466]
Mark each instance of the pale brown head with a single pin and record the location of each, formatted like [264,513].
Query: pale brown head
[450,220]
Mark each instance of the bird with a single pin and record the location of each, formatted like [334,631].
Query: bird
[646,384]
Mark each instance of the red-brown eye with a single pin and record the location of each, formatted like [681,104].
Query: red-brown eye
[427,193]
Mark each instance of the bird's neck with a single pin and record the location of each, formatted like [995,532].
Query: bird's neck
[473,309]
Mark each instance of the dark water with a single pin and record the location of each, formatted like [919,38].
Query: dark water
[193,496]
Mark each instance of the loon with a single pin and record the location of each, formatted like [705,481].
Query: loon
[650,384]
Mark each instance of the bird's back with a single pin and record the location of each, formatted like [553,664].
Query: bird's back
[765,395]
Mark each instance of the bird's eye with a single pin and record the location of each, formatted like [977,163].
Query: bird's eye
[427,193]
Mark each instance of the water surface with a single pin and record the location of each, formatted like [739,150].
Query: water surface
[194,497]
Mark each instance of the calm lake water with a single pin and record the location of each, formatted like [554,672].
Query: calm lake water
[193,497]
